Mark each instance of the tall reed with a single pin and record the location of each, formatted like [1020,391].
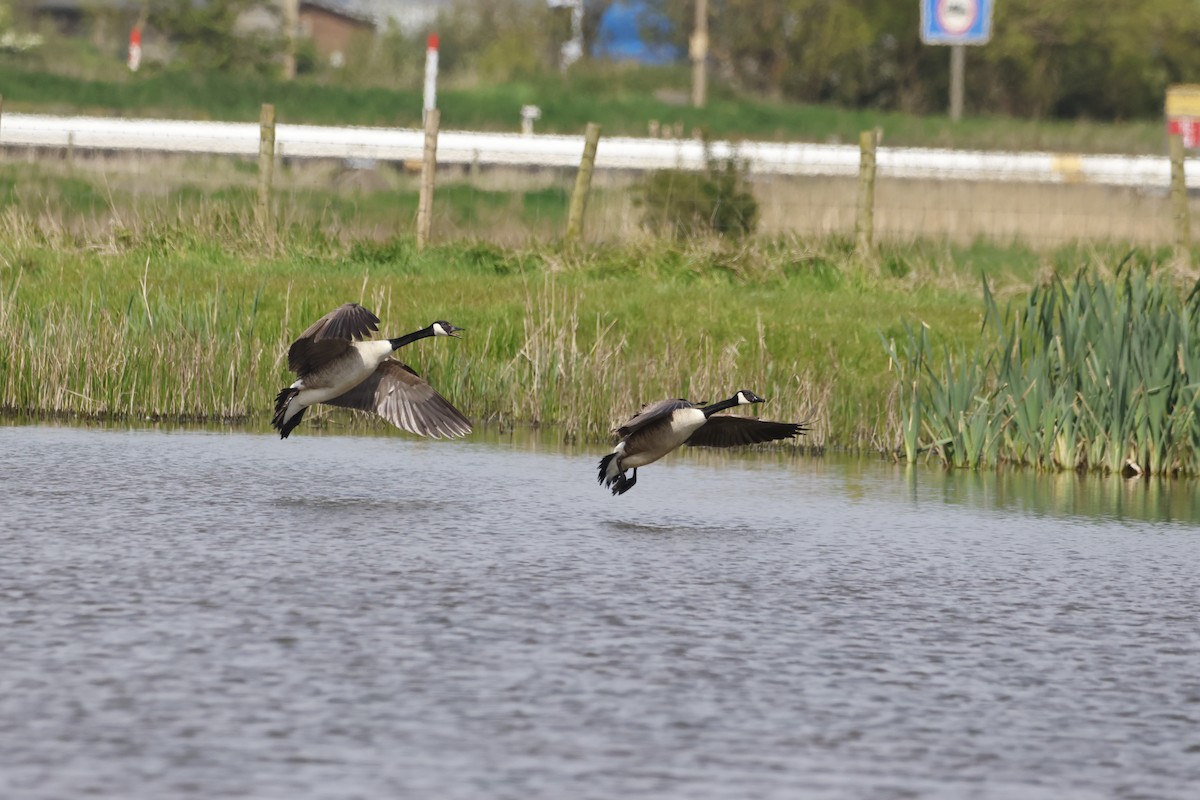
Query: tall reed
[1093,374]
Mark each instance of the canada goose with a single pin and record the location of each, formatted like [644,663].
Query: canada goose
[662,427]
[337,367]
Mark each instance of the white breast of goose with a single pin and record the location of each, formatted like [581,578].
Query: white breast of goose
[686,421]
[349,370]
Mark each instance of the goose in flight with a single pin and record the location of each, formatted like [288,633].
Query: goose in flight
[664,426]
[337,365]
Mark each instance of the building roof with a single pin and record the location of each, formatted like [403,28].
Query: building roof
[85,5]
[339,9]
[405,13]
[408,15]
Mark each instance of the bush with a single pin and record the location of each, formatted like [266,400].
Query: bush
[681,204]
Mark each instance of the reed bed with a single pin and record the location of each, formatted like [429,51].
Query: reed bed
[1097,373]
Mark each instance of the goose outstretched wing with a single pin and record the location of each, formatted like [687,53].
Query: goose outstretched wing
[729,431]
[330,336]
[405,399]
[347,321]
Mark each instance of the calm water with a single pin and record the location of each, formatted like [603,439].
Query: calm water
[212,615]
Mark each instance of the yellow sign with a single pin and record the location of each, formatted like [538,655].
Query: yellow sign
[1070,167]
[1183,100]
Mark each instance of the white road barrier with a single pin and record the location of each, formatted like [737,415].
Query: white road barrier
[466,147]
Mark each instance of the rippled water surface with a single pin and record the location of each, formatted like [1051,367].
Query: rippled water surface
[212,615]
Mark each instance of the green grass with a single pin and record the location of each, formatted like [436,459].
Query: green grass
[624,101]
[187,314]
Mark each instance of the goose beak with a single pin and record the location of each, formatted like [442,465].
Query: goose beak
[451,331]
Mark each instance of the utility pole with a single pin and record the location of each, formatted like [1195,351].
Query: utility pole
[698,50]
[291,21]
[958,58]
[572,49]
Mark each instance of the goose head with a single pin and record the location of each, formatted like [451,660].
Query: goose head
[444,328]
[746,397]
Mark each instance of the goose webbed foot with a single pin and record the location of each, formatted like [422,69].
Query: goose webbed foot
[621,484]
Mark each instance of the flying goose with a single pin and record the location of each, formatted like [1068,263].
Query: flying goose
[337,366]
[662,427]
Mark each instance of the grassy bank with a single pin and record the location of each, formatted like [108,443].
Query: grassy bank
[190,317]
[623,101]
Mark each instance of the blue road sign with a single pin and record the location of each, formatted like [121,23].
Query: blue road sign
[956,21]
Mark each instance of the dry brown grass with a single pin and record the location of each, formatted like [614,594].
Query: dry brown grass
[1036,214]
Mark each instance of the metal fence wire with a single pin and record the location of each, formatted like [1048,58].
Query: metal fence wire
[511,187]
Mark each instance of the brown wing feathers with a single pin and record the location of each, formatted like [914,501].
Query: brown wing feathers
[405,399]
[330,336]
[347,321]
[651,412]
[305,355]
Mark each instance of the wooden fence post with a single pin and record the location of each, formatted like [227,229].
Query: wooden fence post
[266,164]
[1179,202]
[429,164]
[583,183]
[864,228]
[698,52]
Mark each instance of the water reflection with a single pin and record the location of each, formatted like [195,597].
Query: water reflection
[1066,494]
[859,477]
[1023,491]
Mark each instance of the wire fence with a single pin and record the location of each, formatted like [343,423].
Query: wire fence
[512,188]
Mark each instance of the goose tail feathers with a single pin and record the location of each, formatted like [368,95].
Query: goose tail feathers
[608,469]
[280,420]
[612,476]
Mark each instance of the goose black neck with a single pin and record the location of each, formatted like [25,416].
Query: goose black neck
[409,338]
[721,406]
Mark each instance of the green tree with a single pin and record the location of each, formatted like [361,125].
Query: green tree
[208,38]
[1061,58]
[1047,58]
[499,40]
[808,50]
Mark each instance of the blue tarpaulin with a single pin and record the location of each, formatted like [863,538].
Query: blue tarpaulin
[624,31]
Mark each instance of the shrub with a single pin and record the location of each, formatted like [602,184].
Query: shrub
[682,204]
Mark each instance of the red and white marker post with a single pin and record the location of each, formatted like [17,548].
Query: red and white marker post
[135,48]
[431,70]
